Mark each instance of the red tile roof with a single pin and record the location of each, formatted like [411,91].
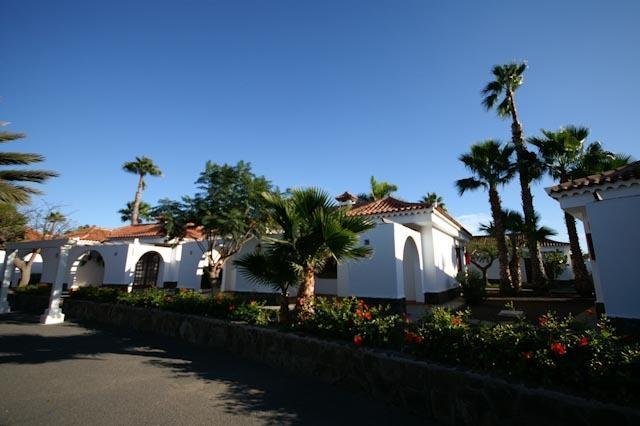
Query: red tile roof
[346,196]
[385,205]
[150,230]
[393,205]
[142,230]
[91,233]
[32,235]
[520,240]
[630,171]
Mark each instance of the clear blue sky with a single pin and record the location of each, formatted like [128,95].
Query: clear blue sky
[321,93]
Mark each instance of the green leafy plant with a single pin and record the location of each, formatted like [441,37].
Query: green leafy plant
[473,287]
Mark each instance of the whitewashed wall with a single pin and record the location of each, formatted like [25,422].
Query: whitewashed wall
[615,231]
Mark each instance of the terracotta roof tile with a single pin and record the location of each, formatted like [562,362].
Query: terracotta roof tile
[91,233]
[151,230]
[385,205]
[143,230]
[346,196]
[393,205]
[630,171]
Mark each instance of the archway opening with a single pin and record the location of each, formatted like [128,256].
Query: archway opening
[87,270]
[147,270]
[411,271]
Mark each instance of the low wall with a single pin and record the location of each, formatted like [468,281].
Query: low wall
[451,396]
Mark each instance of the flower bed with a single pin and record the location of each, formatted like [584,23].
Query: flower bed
[555,352]
[221,306]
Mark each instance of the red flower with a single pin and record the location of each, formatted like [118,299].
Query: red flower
[590,311]
[558,348]
[527,355]
[543,320]
[232,308]
[584,341]
[357,340]
[367,315]
[410,337]
[456,321]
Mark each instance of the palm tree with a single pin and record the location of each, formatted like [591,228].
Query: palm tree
[566,156]
[11,188]
[491,165]
[145,212]
[433,198]
[381,189]
[313,231]
[507,79]
[267,266]
[515,227]
[142,166]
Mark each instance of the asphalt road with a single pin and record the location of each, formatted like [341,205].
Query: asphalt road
[68,374]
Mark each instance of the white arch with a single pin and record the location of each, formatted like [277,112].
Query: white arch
[412,271]
[87,269]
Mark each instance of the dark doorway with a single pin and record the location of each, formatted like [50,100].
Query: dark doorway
[147,269]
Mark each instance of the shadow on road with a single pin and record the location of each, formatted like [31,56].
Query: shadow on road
[249,388]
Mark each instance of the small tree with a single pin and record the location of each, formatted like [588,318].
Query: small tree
[313,231]
[433,198]
[267,266]
[145,212]
[229,209]
[51,224]
[381,189]
[555,262]
[12,224]
[483,252]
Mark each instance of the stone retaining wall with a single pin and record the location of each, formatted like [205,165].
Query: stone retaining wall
[451,396]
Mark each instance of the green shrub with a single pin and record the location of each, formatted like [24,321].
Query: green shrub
[352,319]
[556,352]
[97,294]
[33,289]
[473,287]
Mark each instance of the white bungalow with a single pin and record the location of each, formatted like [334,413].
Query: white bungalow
[418,250]
[608,204]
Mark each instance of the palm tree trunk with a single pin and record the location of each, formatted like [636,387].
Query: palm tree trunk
[306,291]
[539,277]
[584,286]
[136,201]
[514,264]
[503,253]
[283,314]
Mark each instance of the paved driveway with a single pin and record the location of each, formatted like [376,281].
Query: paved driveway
[69,374]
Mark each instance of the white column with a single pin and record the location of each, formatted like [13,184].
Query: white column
[53,314]
[7,271]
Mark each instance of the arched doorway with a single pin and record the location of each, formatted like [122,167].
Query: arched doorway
[147,270]
[411,271]
[87,270]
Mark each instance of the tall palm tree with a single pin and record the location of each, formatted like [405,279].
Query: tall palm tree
[313,231]
[491,165]
[142,166]
[500,93]
[433,198]
[12,189]
[566,156]
[381,189]
[54,224]
[145,212]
